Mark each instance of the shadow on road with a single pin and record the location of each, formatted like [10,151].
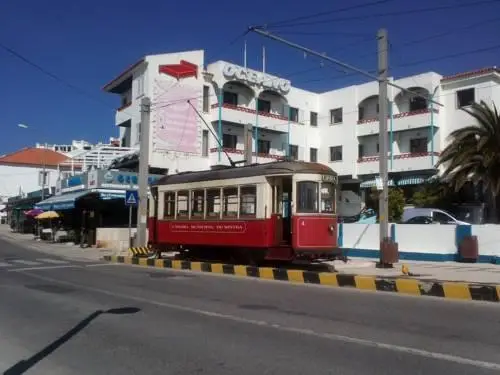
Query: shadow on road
[24,365]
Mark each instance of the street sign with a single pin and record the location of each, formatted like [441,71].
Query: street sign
[131,198]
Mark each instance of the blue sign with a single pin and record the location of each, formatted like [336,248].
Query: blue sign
[131,198]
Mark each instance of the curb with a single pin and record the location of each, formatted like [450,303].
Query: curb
[142,250]
[408,286]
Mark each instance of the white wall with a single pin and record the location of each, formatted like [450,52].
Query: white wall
[12,179]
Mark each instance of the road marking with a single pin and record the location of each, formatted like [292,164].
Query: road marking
[25,262]
[41,268]
[303,331]
[53,261]
[3,264]
[102,264]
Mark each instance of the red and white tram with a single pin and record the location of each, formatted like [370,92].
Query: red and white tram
[274,211]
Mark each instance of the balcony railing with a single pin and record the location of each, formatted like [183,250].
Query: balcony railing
[399,115]
[250,110]
[406,155]
[241,152]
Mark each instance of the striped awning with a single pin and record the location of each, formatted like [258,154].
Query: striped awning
[413,180]
[372,183]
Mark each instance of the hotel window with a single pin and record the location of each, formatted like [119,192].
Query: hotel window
[418,145]
[264,106]
[206,98]
[204,143]
[229,140]
[313,155]
[263,146]
[336,153]
[293,152]
[465,97]
[314,119]
[140,85]
[417,104]
[230,98]
[294,114]
[336,116]
[361,151]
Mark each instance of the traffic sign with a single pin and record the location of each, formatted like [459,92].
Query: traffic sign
[131,198]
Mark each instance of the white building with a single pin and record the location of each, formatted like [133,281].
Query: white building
[339,128]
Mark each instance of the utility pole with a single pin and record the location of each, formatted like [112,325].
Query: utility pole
[142,209]
[385,241]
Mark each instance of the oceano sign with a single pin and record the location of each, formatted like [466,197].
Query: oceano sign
[239,73]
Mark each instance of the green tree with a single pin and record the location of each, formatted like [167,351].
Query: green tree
[396,203]
[473,153]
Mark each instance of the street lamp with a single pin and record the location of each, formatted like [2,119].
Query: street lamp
[44,173]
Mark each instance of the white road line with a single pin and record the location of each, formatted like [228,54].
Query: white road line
[41,268]
[102,264]
[3,264]
[25,262]
[53,261]
[329,336]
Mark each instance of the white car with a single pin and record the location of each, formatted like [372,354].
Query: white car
[438,216]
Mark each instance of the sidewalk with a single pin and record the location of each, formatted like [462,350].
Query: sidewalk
[66,250]
[429,271]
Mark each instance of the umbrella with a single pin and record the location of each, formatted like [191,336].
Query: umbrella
[48,215]
[34,212]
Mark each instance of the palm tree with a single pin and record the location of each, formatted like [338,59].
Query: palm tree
[473,153]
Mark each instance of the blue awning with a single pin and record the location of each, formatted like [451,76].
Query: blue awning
[373,183]
[61,202]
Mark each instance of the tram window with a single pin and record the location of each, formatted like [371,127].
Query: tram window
[307,197]
[230,202]
[183,203]
[327,198]
[169,204]
[248,200]
[197,203]
[213,203]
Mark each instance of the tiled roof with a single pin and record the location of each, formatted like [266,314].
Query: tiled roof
[32,156]
[473,73]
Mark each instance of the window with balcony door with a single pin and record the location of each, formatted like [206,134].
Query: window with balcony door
[230,98]
[206,98]
[204,143]
[313,119]
[418,145]
[293,151]
[263,146]
[361,151]
[313,155]
[229,140]
[294,114]
[264,105]
[417,104]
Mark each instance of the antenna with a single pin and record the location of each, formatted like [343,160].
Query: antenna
[231,161]
[263,59]
[245,55]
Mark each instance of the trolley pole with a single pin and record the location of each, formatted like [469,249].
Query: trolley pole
[142,209]
[387,253]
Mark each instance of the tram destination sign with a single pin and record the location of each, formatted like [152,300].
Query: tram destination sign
[329,178]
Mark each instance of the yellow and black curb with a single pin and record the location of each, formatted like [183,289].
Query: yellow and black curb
[138,251]
[408,286]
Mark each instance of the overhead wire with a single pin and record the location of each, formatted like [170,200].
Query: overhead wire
[394,13]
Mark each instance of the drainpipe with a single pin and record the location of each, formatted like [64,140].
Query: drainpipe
[256,131]
[219,130]
[391,136]
[432,125]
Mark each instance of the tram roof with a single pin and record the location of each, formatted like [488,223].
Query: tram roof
[265,169]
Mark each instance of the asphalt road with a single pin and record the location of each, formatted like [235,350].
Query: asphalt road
[59,316]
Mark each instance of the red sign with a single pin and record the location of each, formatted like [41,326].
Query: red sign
[184,69]
[217,227]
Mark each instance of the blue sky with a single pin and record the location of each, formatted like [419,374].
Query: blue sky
[88,43]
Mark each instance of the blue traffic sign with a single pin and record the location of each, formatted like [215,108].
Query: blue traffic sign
[131,198]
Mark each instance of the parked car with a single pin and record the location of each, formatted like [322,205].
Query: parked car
[432,215]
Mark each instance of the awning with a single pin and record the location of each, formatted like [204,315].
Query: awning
[61,202]
[373,183]
[414,180]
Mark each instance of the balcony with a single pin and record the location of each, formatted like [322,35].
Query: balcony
[238,155]
[244,115]
[401,162]
[400,122]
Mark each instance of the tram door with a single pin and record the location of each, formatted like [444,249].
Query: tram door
[282,205]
